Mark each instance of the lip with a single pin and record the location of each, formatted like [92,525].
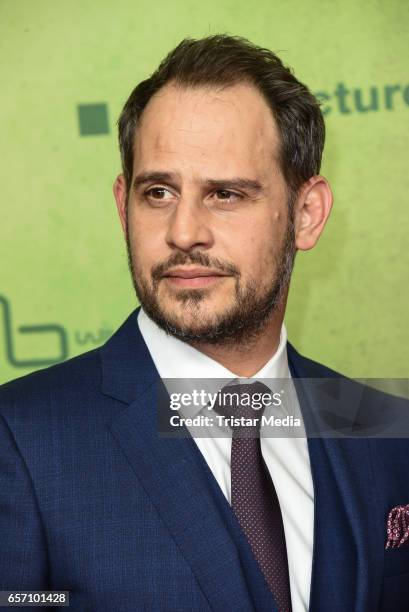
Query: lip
[193,277]
[192,273]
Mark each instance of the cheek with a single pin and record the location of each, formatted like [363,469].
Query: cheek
[257,246]
[145,239]
[138,229]
[258,259]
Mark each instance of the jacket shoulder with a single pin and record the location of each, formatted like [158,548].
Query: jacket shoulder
[312,369]
[76,376]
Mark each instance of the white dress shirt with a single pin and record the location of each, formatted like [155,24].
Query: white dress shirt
[287,459]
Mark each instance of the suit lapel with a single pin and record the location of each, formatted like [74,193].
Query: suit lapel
[170,473]
[347,561]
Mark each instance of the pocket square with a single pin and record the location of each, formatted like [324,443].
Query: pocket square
[398,527]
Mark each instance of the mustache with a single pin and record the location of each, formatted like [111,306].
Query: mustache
[202,259]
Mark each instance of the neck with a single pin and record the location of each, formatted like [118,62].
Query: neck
[246,359]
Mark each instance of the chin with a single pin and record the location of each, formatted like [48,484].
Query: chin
[191,316]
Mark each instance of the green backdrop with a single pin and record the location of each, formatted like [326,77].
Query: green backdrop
[68,67]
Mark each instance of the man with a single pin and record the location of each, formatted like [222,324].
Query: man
[221,150]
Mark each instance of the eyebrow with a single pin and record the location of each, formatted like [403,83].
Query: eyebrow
[235,183]
[153,177]
[227,183]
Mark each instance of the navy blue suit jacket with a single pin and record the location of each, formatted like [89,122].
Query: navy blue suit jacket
[93,501]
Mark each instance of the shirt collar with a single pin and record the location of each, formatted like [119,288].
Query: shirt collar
[176,359]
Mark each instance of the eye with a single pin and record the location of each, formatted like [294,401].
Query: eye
[225,195]
[158,194]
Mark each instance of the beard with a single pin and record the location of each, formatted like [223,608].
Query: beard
[239,324]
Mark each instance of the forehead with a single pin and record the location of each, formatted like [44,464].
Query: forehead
[208,130]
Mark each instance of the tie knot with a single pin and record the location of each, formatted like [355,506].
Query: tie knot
[243,405]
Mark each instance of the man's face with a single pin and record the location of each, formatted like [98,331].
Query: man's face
[210,241]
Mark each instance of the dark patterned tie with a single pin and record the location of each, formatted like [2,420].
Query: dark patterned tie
[253,496]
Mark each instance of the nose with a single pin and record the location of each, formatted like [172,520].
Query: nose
[189,226]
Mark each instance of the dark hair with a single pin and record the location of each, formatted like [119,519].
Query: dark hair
[222,60]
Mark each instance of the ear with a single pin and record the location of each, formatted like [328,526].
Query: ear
[313,207]
[120,194]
